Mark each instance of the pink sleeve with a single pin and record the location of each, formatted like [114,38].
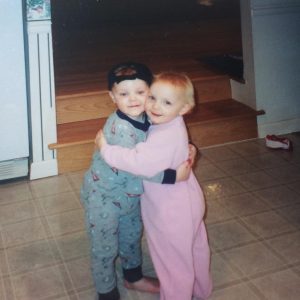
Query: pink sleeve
[146,159]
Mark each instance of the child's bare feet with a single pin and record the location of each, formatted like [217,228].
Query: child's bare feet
[146,284]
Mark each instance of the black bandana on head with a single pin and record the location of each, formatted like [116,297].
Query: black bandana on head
[128,71]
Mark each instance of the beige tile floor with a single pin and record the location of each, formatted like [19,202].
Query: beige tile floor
[253,221]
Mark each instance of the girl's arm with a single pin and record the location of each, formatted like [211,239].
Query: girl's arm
[146,159]
[119,133]
[182,173]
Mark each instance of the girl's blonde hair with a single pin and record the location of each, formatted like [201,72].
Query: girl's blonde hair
[179,81]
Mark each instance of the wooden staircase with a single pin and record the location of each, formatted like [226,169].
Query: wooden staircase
[83,103]
[217,119]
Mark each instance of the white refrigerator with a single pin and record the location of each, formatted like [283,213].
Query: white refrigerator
[14,136]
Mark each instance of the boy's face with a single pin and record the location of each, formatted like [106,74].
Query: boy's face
[130,96]
[165,103]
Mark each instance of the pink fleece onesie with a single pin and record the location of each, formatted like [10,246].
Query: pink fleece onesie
[172,214]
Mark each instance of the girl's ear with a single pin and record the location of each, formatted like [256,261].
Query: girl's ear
[111,95]
[185,109]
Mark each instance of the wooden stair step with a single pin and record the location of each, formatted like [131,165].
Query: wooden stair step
[83,78]
[219,110]
[209,124]
[92,105]
[203,112]
[83,106]
[77,132]
[220,122]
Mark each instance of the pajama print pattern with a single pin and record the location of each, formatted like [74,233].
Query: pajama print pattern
[111,199]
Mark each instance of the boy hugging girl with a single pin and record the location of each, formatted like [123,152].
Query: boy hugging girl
[144,167]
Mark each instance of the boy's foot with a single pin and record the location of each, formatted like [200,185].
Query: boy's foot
[146,284]
[112,295]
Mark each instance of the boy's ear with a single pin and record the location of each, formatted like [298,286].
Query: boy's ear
[185,109]
[111,95]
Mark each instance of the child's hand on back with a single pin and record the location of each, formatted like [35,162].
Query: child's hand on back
[192,154]
[184,170]
[100,140]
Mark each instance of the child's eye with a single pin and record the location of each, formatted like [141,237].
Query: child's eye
[122,94]
[151,98]
[167,102]
[141,92]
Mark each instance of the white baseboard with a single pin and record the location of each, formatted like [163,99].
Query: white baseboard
[43,169]
[282,127]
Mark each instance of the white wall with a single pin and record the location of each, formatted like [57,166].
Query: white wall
[271,46]
[245,92]
[276,46]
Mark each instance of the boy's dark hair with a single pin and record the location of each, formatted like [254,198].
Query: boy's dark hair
[128,71]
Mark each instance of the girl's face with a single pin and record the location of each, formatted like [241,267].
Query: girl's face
[130,96]
[165,103]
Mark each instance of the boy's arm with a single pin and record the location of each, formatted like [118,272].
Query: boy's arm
[164,177]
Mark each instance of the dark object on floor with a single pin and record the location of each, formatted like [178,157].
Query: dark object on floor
[229,64]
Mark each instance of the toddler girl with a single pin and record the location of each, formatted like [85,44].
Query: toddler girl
[172,214]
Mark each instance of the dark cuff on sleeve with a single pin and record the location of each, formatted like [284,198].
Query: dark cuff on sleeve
[169,176]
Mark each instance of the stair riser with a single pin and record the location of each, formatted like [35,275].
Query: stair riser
[222,132]
[83,107]
[78,157]
[212,90]
[74,158]
[99,105]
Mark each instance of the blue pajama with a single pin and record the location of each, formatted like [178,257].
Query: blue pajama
[114,225]
[111,200]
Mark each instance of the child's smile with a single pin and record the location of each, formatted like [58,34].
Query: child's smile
[165,103]
[130,96]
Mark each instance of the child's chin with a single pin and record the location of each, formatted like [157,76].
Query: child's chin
[136,114]
[155,121]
